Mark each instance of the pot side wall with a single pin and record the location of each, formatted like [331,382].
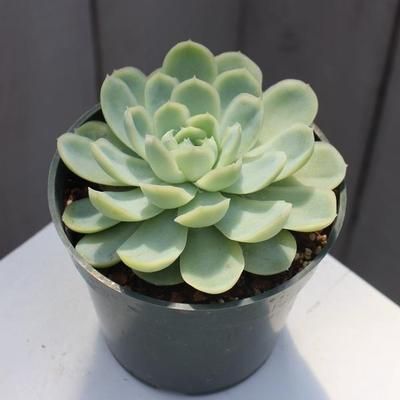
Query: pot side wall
[190,351]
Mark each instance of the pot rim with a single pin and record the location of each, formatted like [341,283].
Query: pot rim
[124,291]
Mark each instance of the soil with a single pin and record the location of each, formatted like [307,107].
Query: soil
[309,245]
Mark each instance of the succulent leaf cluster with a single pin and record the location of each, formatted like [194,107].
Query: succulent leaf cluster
[202,174]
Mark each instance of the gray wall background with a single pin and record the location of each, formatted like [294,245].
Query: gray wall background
[55,54]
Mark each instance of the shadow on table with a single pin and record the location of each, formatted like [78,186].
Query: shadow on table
[285,376]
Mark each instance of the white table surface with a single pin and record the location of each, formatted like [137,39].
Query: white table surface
[342,339]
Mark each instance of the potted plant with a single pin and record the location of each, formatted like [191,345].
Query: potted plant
[196,206]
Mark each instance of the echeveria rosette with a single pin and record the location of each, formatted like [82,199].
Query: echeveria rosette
[202,174]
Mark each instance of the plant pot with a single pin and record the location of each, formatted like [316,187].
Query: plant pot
[181,347]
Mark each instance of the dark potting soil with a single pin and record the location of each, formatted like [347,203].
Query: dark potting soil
[309,245]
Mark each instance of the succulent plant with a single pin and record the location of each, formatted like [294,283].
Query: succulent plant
[201,174]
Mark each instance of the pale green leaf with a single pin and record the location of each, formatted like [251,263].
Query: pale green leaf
[169,140]
[81,216]
[126,170]
[156,244]
[154,72]
[198,96]
[100,249]
[210,262]
[258,173]
[95,130]
[221,177]
[115,98]
[76,153]
[297,142]
[230,145]
[169,116]
[205,209]
[131,205]
[207,123]
[253,221]
[312,209]
[271,256]
[196,161]
[169,196]
[196,135]
[188,59]
[235,59]
[134,79]
[166,277]
[162,161]
[325,169]
[158,90]
[231,83]
[247,110]
[137,125]
[287,102]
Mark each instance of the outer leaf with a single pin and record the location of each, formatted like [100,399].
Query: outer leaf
[196,161]
[313,209]
[100,249]
[158,90]
[131,205]
[95,130]
[169,116]
[271,256]
[115,98]
[297,142]
[82,217]
[219,178]
[134,79]
[155,245]
[253,221]
[258,173]
[166,277]
[166,196]
[127,170]
[247,110]
[287,102]
[235,59]
[231,83]
[210,262]
[206,209]
[137,125]
[161,161]
[325,169]
[76,153]
[188,59]
[198,96]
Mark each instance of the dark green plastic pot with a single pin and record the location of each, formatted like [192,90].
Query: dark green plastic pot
[181,347]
